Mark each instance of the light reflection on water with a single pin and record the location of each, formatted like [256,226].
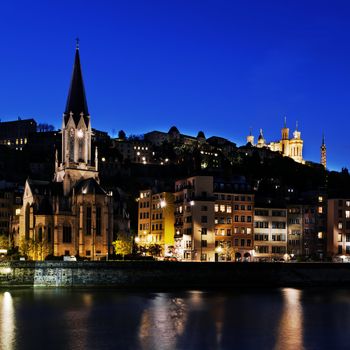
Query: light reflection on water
[7,321]
[288,319]
[290,329]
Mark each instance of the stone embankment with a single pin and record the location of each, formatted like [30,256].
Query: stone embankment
[171,275]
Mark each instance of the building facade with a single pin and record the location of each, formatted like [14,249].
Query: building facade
[156,220]
[270,233]
[338,228]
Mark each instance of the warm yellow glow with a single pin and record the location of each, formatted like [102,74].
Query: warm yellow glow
[163,203]
[218,249]
[137,239]
[290,330]
[7,322]
[192,203]
[18,211]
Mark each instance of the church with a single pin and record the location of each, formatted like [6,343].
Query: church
[72,214]
[288,147]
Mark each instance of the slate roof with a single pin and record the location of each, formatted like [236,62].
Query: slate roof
[88,186]
[76,100]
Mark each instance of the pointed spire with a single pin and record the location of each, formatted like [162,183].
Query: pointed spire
[296,126]
[323,139]
[285,121]
[76,101]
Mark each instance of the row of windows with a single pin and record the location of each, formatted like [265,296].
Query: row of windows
[341,226]
[228,219]
[228,208]
[340,249]
[229,197]
[144,215]
[236,230]
[277,237]
[274,224]
[144,204]
[157,227]
[144,227]
[342,237]
[265,249]
[341,203]
[275,213]
[347,214]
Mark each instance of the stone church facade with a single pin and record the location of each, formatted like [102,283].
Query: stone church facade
[73,214]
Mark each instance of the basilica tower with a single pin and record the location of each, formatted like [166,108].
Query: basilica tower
[285,138]
[76,163]
[323,153]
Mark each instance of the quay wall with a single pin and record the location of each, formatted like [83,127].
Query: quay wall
[171,275]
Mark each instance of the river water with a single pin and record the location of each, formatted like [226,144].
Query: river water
[287,318]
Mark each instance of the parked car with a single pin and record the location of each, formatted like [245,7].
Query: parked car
[69,258]
[170,258]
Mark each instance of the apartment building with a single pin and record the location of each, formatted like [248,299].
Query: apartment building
[213,220]
[315,226]
[194,219]
[233,226]
[295,242]
[156,220]
[270,233]
[338,228]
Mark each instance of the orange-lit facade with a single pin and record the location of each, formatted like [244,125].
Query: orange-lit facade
[156,220]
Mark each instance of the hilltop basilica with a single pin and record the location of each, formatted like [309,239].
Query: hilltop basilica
[72,214]
[288,147]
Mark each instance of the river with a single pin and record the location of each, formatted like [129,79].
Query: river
[286,318]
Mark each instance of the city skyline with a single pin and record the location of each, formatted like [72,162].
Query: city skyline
[222,69]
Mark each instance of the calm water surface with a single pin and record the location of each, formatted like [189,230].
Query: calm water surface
[288,319]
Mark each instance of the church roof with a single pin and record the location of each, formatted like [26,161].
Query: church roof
[76,100]
[39,187]
[89,186]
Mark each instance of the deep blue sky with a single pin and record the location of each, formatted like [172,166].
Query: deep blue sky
[216,66]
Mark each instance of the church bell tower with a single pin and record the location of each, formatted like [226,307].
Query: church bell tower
[76,134]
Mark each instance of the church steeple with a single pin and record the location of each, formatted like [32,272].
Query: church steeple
[76,125]
[76,101]
[76,162]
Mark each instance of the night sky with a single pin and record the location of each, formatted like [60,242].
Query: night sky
[217,66]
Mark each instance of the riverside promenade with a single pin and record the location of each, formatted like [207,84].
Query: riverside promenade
[171,275]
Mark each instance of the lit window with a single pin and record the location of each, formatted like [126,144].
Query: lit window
[340,225]
[339,237]
[229,209]
[320,210]
[222,208]
[320,235]
[347,203]
[320,199]
[347,214]
[18,211]
[216,208]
